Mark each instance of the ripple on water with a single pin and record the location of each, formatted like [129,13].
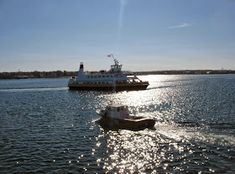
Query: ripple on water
[53,130]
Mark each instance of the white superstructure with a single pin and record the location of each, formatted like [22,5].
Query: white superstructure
[116,111]
[114,79]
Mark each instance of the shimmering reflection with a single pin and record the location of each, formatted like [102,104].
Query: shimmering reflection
[168,149]
[132,151]
[183,140]
[53,130]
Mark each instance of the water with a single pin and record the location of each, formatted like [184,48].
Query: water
[44,128]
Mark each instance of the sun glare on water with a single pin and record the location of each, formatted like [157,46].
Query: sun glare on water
[172,145]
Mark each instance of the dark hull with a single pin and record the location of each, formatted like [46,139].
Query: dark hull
[132,123]
[122,87]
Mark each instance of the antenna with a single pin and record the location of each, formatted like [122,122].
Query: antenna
[116,62]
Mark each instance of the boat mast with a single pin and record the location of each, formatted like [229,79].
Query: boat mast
[116,68]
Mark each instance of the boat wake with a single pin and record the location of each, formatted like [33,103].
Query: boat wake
[178,133]
[33,89]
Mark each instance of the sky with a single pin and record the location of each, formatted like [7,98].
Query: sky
[144,35]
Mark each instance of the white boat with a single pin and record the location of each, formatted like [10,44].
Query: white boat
[113,80]
[116,117]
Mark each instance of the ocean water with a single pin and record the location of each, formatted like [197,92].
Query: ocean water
[45,128]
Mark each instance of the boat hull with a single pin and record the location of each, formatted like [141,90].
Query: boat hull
[117,87]
[131,123]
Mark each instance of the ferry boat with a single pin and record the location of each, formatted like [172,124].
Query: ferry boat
[113,80]
[116,117]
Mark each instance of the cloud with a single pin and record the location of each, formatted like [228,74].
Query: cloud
[181,25]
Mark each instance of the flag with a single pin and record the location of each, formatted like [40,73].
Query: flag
[110,55]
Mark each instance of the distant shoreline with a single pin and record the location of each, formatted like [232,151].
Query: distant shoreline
[59,74]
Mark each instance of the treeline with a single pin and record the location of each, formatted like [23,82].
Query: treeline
[36,74]
[186,72]
[58,74]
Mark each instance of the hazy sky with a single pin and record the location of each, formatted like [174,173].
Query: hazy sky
[142,34]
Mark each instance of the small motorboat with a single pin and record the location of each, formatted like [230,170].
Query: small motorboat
[116,117]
